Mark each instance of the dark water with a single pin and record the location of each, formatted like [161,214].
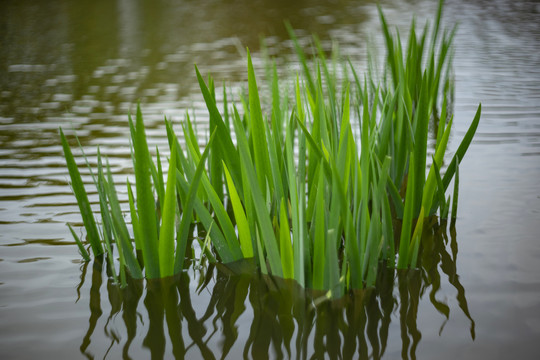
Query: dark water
[84,64]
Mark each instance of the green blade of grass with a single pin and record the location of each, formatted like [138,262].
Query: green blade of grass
[82,198]
[299,271]
[389,45]
[431,182]
[422,116]
[287,261]
[79,243]
[109,231]
[302,57]
[205,248]
[440,192]
[382,201]
[258,131]
[218,240]
[166,231]
[319,246]
[230,155]
[462,148]
[110,256]
[145,199]
[107,224]
[219,210]
[405,237]
[415,241]
[276,160]
[240,217]
[215,155]
[181,244]
[157,179]
[187,167]
[456,193]
[102,194]
[137,233]
[339,213]
[261,212]
[120,230]
[116,212]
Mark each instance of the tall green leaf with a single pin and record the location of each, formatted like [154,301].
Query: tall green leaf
[145,199]
[82,198]
[181,243]
[244,234]
[166,231]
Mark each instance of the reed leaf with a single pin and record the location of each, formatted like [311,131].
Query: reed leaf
[137,233]
[319,246]
[146,210]
[167,229]
[462,148]
[263,216]
[405,237]
[82,198]
[456,192]
[181,243]
[79,243]
[244,234]
[226,148]
[286,252]
[258,131]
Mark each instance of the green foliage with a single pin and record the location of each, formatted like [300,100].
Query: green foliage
[308,199]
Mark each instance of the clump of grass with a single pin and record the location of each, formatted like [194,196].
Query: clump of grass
[294,188]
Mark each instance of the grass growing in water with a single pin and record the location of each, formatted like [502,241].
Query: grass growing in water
[323,215]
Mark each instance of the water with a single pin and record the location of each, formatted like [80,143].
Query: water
[84,64]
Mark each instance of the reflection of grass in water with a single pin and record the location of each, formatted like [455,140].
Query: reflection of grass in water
[295,190]
[285,320]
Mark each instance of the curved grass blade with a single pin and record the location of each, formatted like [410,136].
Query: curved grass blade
[431,182]
[82,198]
[462,149]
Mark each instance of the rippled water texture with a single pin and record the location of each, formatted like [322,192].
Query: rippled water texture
[84,64]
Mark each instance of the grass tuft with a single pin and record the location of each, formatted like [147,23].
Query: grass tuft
[309,199]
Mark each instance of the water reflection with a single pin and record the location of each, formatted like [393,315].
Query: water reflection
[235,312]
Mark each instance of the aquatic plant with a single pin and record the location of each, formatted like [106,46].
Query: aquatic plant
[295,188]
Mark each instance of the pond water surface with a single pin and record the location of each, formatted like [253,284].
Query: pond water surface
[84,64]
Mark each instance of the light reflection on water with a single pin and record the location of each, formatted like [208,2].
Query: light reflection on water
[84,64]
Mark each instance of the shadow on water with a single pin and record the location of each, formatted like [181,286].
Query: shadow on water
[216,312]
